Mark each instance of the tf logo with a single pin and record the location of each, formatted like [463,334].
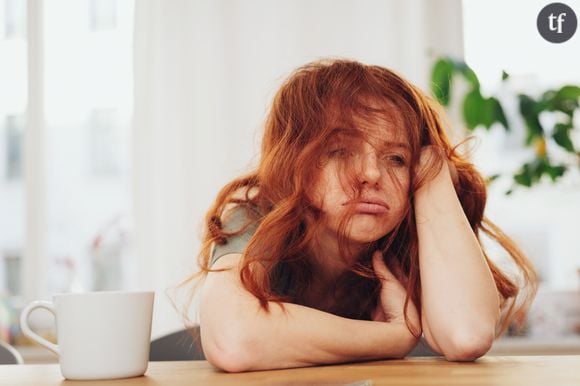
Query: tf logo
[557,22]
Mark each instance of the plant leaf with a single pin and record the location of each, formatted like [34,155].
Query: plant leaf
[441,78]
[562,136]
[492,178]
[569,92]
[556,171]
[498,113]
[528,108]
[473,108]
[524,176]
[468,73]
[566,99]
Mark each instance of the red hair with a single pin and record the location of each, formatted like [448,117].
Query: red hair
[302,117]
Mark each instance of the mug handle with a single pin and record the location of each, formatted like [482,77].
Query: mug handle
[31,334]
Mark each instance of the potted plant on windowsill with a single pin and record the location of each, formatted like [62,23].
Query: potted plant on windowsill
[481,111]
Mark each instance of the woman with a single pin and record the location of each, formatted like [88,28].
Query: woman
[357,234]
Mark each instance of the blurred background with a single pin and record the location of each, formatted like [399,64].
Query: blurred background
[120,120]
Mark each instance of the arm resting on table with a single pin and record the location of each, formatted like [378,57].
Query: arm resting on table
[460,302]
[238,335]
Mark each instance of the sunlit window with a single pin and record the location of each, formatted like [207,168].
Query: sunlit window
[86,51]
[102,14]
[14,130]
[13,99]
[14,18]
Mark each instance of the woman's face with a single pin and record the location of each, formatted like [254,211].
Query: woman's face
[378,167]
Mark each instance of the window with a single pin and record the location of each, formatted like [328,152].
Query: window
[14,18]
[102,14]
[106,142]
[13,78]
[14,126]
[74,221]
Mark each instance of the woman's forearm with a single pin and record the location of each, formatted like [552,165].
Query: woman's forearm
[460,303]
[306,336]
[238,335]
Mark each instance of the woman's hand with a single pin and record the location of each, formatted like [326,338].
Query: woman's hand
[392,298]
[429,155]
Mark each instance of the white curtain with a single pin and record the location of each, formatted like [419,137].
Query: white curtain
[205,72]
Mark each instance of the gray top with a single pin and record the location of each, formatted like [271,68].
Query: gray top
[234,221]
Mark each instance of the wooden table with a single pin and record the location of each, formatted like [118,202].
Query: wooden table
[489,370]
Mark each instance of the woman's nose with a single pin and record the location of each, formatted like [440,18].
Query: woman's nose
[369,169]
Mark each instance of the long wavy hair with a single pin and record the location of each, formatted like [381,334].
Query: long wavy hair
[302,118]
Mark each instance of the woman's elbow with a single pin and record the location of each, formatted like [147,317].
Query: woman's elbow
[468,346]
[229,361]
[227,354]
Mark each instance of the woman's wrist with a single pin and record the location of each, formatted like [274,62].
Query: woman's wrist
[395,341]
[443,178]
[432,156]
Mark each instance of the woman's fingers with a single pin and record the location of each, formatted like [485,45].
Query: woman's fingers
[393,296]
[378,314]
[380,267]
[431,154]
[378,264]
[391,289]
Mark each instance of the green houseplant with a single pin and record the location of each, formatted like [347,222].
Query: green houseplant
[478,110]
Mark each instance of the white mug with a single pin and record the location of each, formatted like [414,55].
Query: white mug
[100,335]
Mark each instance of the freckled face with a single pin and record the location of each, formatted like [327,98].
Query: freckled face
[378,167]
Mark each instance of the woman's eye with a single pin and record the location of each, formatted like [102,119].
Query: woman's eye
[396,159]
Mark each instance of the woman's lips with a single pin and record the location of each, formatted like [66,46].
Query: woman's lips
[369,206]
